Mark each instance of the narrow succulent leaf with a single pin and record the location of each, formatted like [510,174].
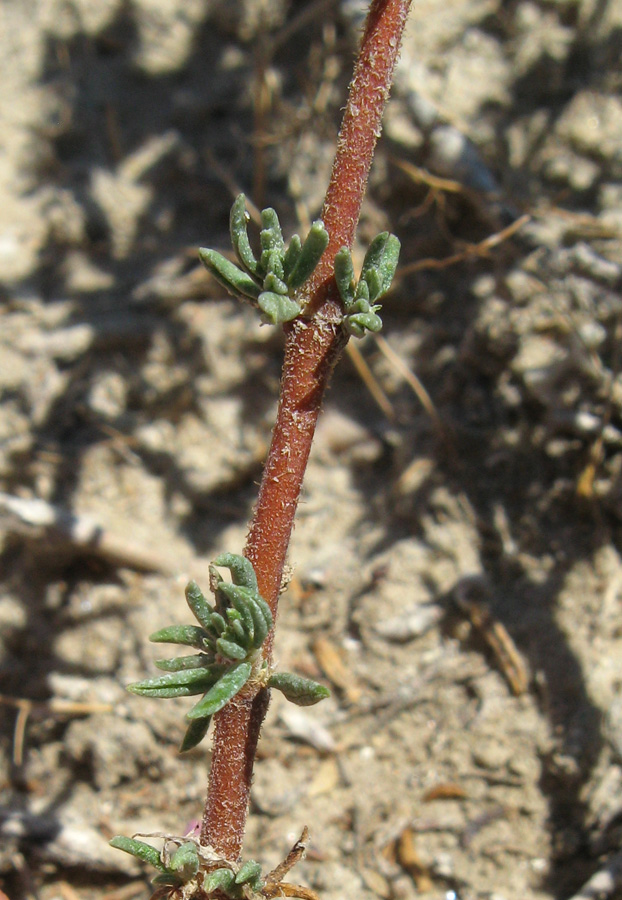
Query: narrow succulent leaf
[201,609]
[185,861]
[374,283]
[227,274]
[239,635]
[179,663]
[241,568]
[359,323]
[380,264]
[238,223]
[219,880]
[177,684]
[271,236]
[167,879]
[299,690]
[221,693]
[265,609]
[248,872]
[187,635]
[389,261]
[240,597]
[231,650]
[311,251]
[273,266]
[139,849]
[361,306]
[195,733]
[354,328]
[180,678]
[261,627]
[218,623]
[233,615]
[291,256]
[362,293]
[344,276]
[277,308]
[375,253]
[274,284]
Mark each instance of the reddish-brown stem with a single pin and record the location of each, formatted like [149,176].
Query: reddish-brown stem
[313,346]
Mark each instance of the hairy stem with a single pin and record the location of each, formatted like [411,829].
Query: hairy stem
[313,346]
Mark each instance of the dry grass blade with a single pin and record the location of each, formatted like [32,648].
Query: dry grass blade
[416,173]
[26,707]
[369,380]
[471,251]
[411,862]
[294,856]
[411,380]
[330,661]
[496,636]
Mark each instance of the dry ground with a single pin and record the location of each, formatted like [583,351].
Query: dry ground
[457,570]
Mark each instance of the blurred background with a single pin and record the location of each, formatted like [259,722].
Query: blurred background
[456,562]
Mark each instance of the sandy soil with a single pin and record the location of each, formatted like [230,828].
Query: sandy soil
[456,569]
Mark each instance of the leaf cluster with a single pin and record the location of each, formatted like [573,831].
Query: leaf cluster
[235,885]
[184,865]
[270,282]
[377,274]
[228,637]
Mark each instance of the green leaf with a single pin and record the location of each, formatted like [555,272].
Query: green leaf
[362,294]
[231,650]
[139,849]
[218,623]
[314,246]
[248,873]
[274,284]
[358,323]
[185,861]
[179,663]
[277,308]
[195,733]
[201,609]
[265,609]
[219,880]
[291,256]
[261,627]
[238,225]
[374,283]
[240,597]
[388,264]
[238,635]
[233,615]
[271,236]
[185,683]
[226,273]
[272,261]
[299,690]
[221,693]
[187,635]
[375,253]
[241,568]
[344,276]
[381,257]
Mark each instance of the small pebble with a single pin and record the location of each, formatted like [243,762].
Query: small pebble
[307,729]
[409,625]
